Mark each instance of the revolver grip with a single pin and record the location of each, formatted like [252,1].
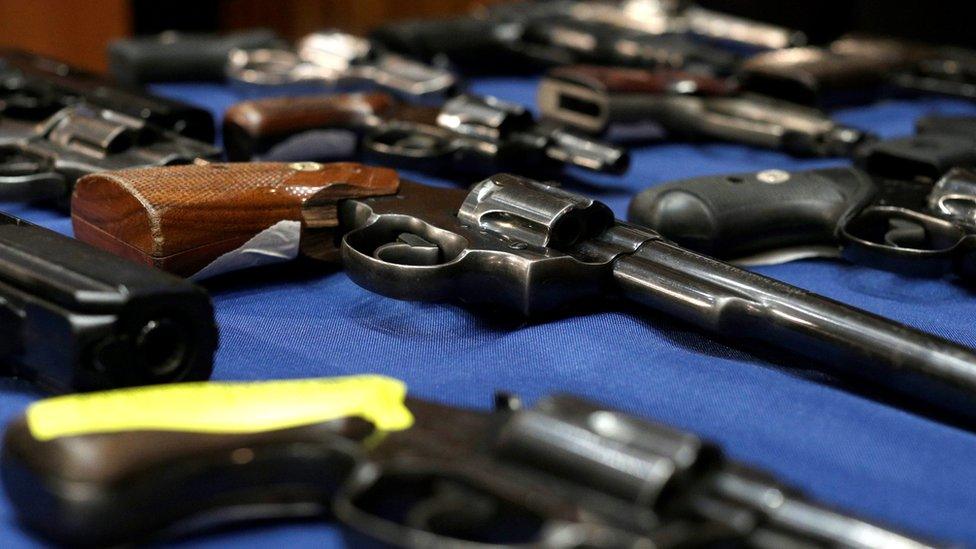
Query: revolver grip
[253,127]
[739,215]
[814,76]
[591,98]
[181,218]
[78,471]
[171,57]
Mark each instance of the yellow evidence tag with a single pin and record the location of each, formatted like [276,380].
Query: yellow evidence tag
[233,408]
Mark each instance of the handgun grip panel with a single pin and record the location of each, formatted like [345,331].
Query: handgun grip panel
[624,80]
[181,218]
[149,457]
[814,76]
[172,57]
[251,127]
[738,215]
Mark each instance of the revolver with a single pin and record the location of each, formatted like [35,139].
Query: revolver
[467,133]
[564,473]
[45,160]
[330,60]
[32,88]
[607,100]
[76,318]
[856,68]
[177,57]
[533,35]
[509,244]
[909,207]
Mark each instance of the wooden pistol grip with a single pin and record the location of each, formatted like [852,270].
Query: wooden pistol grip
[181,218]
[640,81]
[250,127]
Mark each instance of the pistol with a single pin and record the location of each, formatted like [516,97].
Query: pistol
[467,133]
[603,100]
[564,473]
[76,318]
[533,35]
[336,60]
[47,158]
[857,68]
[909,207]
[510,244]
[178,57]
[32,88]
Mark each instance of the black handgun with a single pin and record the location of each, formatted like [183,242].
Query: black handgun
[32,88]
[909,207]
[43,161]
[603,99]
[75,318]
[174,57]
[467,133]
[565,473]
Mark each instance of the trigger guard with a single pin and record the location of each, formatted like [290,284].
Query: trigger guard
[360,504]
[372,257]
[868,240]
[407,146]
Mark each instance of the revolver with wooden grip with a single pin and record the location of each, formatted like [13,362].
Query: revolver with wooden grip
[468,133]
[602,99]
[564,473]
[509,243]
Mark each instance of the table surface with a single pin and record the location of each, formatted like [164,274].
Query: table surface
[848,450]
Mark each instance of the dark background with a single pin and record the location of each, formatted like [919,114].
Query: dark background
[77,30]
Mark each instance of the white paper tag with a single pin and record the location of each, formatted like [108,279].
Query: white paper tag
[276,244]
[785,255]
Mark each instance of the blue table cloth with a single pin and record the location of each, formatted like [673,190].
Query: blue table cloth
[850,451]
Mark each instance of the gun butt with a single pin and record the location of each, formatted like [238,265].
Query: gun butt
[185,450]
[182,218]
[254,127]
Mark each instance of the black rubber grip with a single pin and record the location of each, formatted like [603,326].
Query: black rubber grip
[469,44]
[172,57]
[739,215]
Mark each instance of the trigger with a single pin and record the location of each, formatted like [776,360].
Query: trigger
[409,249]
[452,510]
[905,234]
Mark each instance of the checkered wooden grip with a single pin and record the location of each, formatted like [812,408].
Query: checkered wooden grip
[181,218]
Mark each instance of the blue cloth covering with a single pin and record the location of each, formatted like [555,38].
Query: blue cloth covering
[847,450]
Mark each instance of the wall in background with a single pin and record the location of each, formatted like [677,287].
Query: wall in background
[294,18]
[73,30]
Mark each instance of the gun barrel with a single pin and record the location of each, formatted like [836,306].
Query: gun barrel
[915,367]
